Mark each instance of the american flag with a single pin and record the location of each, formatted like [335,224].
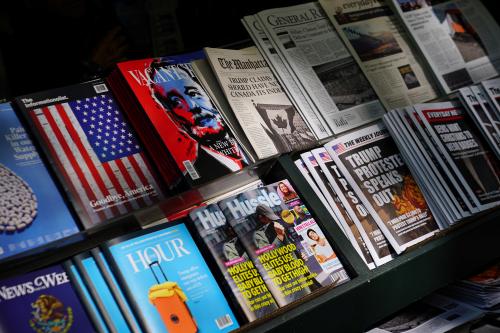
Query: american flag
[98,155]
[339,148]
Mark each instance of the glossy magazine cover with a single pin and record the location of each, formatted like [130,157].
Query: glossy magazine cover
[186,120]
[32,210]
[93,149]
[168,283]
[284,241]
[43,301]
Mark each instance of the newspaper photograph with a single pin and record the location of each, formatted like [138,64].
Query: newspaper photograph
[383,50]
[359,219]
[373,166]
[458,39]
[281,70]
[268,118]
[473,163]
[306,40]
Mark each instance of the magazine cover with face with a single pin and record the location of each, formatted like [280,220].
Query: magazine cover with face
[286,244]
[42,301]
[183,117]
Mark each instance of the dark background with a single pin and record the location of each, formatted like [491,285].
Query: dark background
[51,43]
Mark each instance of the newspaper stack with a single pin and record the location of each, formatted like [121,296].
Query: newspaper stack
[481,290]
[435,313]
[455,168]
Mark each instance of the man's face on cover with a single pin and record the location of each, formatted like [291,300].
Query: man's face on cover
[191,107]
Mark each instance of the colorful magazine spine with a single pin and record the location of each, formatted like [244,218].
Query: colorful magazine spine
[284,241]
[32,210]
[247,285]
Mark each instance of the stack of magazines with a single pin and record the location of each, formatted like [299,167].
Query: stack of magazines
[454,166]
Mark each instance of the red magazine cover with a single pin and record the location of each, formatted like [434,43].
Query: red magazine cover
[184,118]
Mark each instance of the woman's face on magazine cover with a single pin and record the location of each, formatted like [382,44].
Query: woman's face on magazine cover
[313,235]
[283,188]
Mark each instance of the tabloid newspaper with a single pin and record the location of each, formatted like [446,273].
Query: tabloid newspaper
[342,217]
[284,241]
[435,313]
[372,164]
[393,124]
[458,39]
[205,74]
[247,285]
[307,41]
[268,118]
[462,146]
[383,50]
[374,239]
[475,103]
[492,90]
[422,166]
[93,149]
[466,204]
[187,124]
[281,70]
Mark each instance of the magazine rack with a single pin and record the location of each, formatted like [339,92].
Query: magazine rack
[355,306]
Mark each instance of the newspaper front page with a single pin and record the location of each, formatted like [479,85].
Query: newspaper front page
[306,40]
[297,95]
[459,39]
[269,120]
[383,50]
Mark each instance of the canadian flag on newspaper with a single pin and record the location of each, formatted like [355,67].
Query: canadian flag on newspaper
[95,149]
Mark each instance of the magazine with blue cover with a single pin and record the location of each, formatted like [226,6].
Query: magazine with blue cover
[32,210]
[168,283]
[42,301]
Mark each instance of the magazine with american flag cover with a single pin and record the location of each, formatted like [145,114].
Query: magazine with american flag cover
[94,151]
[371,163]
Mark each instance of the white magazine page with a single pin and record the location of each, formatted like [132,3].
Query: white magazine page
[438,209]
[435,313]
[306,40]
[492,89]
[468,204]
[208,80]
[430,166]
[307,176]
[360,221]
[471,160]
[295,93]
[384,51]
[488,108]
[470,97]
[266,115]
[372,164]
[458,39]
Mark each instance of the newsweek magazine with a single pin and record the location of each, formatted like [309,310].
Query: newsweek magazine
[42,301]
[461,144]
[371,234]
[434,313]
[479,110]
[284,241]
[93,150]
[383,50]
[281,70]
[266,115]
[457,38]
[322,65]
[342,217]
[467,206]
[152,264]
[32,210]
[372,164]
[181,116]
[246,283]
